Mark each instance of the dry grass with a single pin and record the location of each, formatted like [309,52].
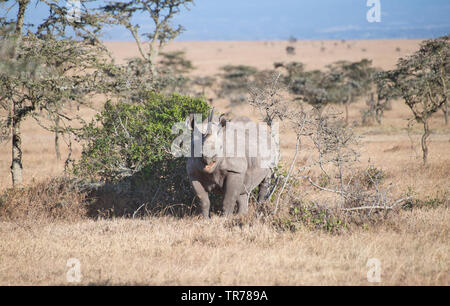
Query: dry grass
[413,246]
[46,201]
[413,250]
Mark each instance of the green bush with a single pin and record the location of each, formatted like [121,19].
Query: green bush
[127,148]
[127,138]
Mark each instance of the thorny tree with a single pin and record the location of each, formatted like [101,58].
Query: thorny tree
[351,80]
[423,82]
[313,87]
[380,100]
[341,83]
[335,153]
[161,12]
[44,72]
[268,99]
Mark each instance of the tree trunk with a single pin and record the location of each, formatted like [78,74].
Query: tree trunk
[58,153]
[426,130]
[152,56]
[380,109]
[346,113]
[16,165]
[20,16]
[378,115]
[445,110]
[16,150]
[346,103]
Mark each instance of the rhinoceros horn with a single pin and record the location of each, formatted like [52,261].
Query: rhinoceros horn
[210,119]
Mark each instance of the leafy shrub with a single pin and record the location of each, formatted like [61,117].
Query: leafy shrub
[127,138]
[442,198]
[370,177]
[311,216]
[323,180]
[127,148]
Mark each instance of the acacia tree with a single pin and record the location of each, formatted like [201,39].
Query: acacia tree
[46,70]
[160,12]
[342,82]
[312,88]
[380,99]
[351,80]
[422,80]
[204,82]
[317,88]
[234,82]
[173,69]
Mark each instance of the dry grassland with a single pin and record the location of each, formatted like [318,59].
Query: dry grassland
[163,251]
[413,247]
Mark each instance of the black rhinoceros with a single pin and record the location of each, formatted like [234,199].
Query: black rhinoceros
[235,156]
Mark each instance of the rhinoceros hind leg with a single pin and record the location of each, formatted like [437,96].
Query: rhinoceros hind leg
[263,188]
[233,186]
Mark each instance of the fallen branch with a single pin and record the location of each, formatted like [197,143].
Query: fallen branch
[378,207]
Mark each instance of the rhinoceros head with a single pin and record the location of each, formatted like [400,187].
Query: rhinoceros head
[212,131]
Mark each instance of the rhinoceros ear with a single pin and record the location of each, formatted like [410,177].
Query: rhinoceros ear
[209,121]
[190,121]
[222,120]
[211,115]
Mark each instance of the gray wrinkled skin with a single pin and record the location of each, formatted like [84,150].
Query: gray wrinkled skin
[233,177]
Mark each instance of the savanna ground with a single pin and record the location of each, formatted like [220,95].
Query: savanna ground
[412,247]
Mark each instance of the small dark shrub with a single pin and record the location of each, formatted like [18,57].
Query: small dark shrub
[311,216]
[440,199]
[371,176]
[323,180]
[50,200]
[290,50]
[292,39]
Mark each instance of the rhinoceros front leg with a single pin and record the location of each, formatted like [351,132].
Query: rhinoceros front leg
[233,187]
[203,196]
[243,204]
